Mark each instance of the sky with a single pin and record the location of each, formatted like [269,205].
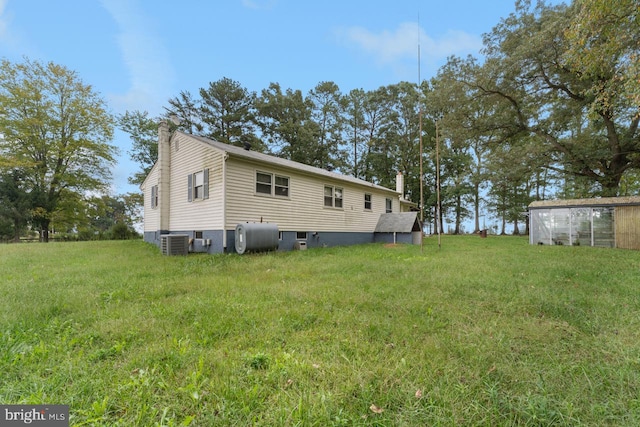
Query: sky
[137,54]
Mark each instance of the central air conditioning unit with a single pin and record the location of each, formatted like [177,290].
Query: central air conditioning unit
[174,244]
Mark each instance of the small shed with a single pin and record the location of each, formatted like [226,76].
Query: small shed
[612,222]
[402,227]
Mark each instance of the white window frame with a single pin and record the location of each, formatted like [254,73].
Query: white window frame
[198,185]
[278,185]
[388,205]
[154,196]
[336,197]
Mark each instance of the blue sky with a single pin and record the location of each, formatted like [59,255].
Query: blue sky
[139,53]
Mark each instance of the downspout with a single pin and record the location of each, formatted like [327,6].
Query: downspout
[225,156]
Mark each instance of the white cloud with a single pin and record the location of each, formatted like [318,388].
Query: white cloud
[9,37]
[146,59]
[389,47]
[3,19]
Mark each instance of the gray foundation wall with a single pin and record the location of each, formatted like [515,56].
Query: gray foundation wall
[286,243]
[389,238]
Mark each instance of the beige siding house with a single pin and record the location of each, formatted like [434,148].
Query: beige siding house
[204,189]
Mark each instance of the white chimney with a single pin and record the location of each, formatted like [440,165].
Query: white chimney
[400,184]
[164,174]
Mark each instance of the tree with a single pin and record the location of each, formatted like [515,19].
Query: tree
[587,126]
[353,107]
[228,111]
[144,133]
[187,111]
[15,204]
[112,217]
[461,117]
[376,109]
[56,129]
[286,124]
[604,36]
[326,101]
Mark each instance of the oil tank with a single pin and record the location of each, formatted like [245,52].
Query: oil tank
[256,237]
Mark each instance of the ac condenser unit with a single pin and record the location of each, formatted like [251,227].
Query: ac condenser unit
[174,244]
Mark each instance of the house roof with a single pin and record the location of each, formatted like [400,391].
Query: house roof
[402,222]
[240,152]
[596,201]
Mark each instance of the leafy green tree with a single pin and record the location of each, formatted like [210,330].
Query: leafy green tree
[57,129]
[326,101]
[586,125]
[228,112]
[465,141]
[143,132]
[15,204]
[376,108]
[286,124]
[187,111]
[353,109]
[604,40]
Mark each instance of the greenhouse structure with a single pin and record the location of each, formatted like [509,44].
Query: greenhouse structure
[612,222]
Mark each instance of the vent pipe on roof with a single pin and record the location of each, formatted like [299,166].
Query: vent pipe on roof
[247,145]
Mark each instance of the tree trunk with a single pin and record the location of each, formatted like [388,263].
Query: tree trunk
[611,185]
[476,207]
[44,231]
[458,214]
[516,231]
[16,231]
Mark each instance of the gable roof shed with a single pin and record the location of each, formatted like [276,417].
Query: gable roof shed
[403,227]
[403,222]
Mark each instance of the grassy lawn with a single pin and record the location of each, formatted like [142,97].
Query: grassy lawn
[482,332]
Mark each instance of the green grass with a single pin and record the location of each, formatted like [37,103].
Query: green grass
[482,332]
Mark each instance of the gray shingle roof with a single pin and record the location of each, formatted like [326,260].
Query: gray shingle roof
[596,201]
[402,222]
[232,150]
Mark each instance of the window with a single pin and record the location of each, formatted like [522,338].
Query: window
[198,234]
[282,186]
[263,183]
[367,202]
[332,196]
[301,235]
[154,197]
[272,185]
[198,185]
[388,205]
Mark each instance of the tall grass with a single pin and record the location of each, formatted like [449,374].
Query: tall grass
[481,332]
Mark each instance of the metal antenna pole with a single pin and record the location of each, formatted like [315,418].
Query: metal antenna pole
[438,207]
[420,130]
